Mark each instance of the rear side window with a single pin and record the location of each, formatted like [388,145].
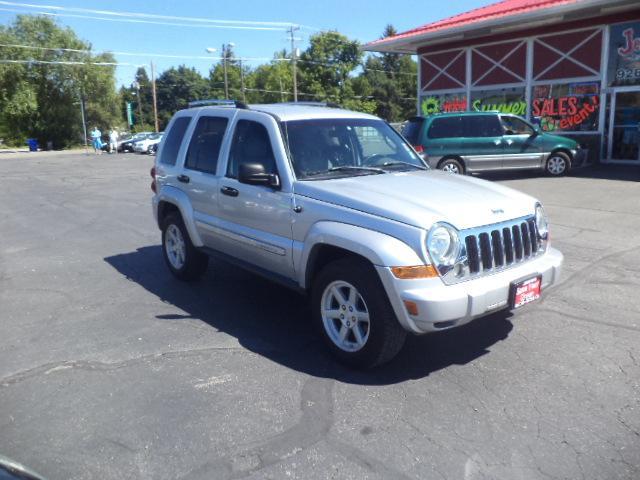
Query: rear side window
[206,141]
[482,126]
[446,127]
[251,144]
[173,139]
[411,130]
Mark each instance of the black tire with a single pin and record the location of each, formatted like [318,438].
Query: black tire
[452,165]
[385,334]
[195,262]
[555,166]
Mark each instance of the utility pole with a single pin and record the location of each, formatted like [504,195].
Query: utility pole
[281,90]
[294,62]
[155,102]
[84,124]
[244,96]
[224,67]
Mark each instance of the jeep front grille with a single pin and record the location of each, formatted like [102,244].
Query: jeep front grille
[493,248]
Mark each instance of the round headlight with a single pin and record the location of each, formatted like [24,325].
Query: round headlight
[541,222]
[443,246]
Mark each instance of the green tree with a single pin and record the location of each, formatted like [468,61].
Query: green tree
[42,100]
[326,67]
[271,82]
[390,80]
[177,87]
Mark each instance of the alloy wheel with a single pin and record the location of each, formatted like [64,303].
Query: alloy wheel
[175,247]
[345,316]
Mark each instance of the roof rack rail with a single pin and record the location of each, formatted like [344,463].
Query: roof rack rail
[218,102]
[313,104]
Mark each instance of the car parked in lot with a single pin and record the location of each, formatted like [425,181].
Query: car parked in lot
[338,205]
[468,142]
[127,145]
[144,145]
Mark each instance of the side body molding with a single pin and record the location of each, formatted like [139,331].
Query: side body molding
[380,249]
[180,199]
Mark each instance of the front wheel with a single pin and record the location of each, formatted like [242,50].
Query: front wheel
[451,165]
[182,258]
[353,314]
[558,164]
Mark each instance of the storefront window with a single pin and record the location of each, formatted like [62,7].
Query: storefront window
[449,102]
[624,54]
[572,107]
[505,100]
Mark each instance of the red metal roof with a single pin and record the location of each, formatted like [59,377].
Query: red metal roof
[505,8]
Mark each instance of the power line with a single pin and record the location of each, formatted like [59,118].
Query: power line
[150,22]
[146,18]
[70,62]
[145,15]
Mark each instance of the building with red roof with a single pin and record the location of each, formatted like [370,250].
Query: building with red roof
[573,66]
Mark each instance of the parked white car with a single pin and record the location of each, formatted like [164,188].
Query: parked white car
[338,205]
[144,145]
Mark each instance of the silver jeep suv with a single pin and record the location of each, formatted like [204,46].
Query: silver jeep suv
[337,204]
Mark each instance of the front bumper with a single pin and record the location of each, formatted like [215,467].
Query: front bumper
[441,306]
[580,158]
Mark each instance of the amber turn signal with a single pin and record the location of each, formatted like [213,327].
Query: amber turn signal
[418,271]
[412,307]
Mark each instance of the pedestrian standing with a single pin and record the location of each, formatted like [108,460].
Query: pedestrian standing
[113,141]
[97,143]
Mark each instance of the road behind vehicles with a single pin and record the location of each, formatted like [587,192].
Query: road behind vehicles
[336,204]
[467,142]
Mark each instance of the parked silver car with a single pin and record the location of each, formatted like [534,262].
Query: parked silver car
[337,204]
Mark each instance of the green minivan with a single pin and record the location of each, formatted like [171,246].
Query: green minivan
[468,142]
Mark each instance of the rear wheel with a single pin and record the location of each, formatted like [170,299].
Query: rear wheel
[558,164]
[182,258]
[353,314]
[451,165]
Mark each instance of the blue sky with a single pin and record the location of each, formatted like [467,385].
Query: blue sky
[363,20]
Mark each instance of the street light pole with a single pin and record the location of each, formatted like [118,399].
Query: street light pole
[294,66]
[84,124]
[224,67]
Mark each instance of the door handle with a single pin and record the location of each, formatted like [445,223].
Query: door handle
[497,142]
[183,178]
[231,192]
[509,142]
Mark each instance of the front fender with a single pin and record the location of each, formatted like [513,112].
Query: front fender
[380,249]
[180,199]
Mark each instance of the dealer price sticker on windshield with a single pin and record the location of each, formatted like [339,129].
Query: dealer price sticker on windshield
[525,291]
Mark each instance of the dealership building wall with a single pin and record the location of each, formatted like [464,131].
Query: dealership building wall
[566,78]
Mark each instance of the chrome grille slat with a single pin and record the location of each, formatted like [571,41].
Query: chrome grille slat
[494,248]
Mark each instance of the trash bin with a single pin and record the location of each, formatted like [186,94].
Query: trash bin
[49,145]
[33,144]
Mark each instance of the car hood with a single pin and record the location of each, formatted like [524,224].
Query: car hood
[423,198]
[557,139]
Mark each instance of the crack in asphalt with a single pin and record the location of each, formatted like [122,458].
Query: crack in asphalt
[92,365]
[632,328]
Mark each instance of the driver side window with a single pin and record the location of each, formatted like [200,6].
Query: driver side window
[515,126]
[250,144]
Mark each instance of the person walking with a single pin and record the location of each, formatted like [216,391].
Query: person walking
[113,141]
[95,138]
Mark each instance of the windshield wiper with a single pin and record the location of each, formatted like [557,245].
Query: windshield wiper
[398,162]
[355,167]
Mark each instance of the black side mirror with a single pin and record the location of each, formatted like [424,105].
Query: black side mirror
[509,132]
[254,174]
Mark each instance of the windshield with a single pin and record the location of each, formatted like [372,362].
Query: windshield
[326,148]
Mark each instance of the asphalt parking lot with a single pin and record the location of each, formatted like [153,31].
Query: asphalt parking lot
[111,369]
